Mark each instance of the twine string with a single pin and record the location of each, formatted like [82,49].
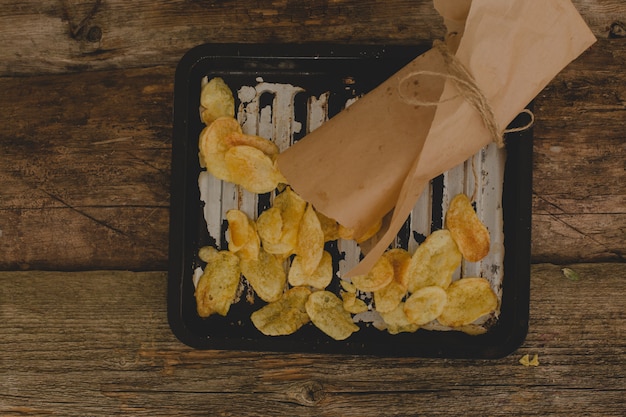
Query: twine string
[468,89]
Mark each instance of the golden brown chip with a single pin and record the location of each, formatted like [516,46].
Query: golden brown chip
[353,304]
[327,313]
[266,275]
[216,100]
[212,148]
[468,300]
[469,233]
[217,287]
[330,227]
[434,262]
[291,208]
[400,259]
[387,299]
[319,279]
[252,169]
[379,276]
[270,227]
[397,321]
[266,146]
[310,243]
[347,286]
[425,305]
[243,238]
[284,316]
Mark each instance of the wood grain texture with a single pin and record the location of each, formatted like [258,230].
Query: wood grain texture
[52,36]
[98,343]
[85,166]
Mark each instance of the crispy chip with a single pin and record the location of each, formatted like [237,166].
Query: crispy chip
[330,227]
[218,284]
[291,208]
[319,279]
[469,233]
[310,243]
[284,316]
[387,299]
[400,260]
[425,305]
[468,300]
[434,262]
[216,100]
[397,321]
[252,169]
[212,148]
[266,146]
[243,238]
[353,304]
[270,227]
[379,276]
[347,286]
[266,275]
[327,313]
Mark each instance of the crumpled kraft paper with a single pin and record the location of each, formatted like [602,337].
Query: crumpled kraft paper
[374,159]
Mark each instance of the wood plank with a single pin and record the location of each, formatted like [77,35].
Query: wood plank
[98,343]
[49,36]
[85,167]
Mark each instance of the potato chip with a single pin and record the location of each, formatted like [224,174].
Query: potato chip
[217,287]
[266,146]
[319,279]
[468,300]
[310,243]
[400,260]
[327,313]
[425,305]
[387,299]
[369,232]
[270,226]
[284,316]
[216,100]
[330,227]
[397,321]
[212,148]
[434,262]
[469,233]
[242,236]
[252,169]
[347,286]
[291,208]
[266,275]
[353,304]
[379,276]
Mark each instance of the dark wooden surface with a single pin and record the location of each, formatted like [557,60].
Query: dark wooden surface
[85,108]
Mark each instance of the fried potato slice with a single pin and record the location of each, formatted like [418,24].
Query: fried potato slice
[266,275]
[242,236]
[319,279]
[434,262]
[425,305]
[397,321]
[468,300]
[310,243]
[252,169]
[387,299]
[284,316]
[270,226]
[216,100]
[327,313]
[290,207]
[379,276]
[469,233]
[217,287]
[353,304]
[266,146]
[330,227]
[212,148]
[400,260]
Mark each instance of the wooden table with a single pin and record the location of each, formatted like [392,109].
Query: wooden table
[86,104]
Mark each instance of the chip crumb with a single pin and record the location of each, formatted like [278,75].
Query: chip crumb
[527,361]
[571,274]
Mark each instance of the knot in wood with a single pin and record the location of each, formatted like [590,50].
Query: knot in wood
[308,393]
[617,30]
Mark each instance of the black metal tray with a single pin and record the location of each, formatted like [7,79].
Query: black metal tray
[344,71]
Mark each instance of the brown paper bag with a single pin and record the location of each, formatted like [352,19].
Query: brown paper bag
[374,159]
